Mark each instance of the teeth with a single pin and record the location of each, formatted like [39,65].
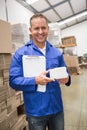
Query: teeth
[40,36]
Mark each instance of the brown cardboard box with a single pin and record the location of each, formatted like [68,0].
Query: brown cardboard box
[5,60]
[21,123]
[69,41]
[5,37]
[71,61]
[4,124]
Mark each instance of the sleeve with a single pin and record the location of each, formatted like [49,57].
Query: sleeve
[62,63]
[16,79]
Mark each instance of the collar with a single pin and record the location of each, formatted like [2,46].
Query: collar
[30,42]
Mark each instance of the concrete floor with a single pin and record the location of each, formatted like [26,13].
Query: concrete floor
[75,102]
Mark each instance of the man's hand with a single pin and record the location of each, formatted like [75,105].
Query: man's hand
[42,79]
[64,80]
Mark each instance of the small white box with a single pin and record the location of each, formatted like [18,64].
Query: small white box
[58,73]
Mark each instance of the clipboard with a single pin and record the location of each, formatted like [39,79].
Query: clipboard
[33,66]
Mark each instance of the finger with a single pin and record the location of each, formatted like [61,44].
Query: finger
[49,79]
[45,72]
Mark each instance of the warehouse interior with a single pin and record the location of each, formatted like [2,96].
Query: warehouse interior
[68,32]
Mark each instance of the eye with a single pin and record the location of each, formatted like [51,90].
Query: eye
[36,28]
[43,28]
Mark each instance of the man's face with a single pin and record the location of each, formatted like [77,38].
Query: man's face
[39,30]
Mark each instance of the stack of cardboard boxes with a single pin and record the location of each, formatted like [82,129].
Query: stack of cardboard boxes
[10,100]
[72,64]
[54,35]
[20,35]
[71,59]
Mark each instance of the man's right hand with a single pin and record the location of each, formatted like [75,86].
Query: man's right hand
[42,79]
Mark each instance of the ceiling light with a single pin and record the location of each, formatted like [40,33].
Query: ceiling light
[31,1]
[73,18]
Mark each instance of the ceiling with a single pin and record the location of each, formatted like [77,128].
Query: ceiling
[59,10]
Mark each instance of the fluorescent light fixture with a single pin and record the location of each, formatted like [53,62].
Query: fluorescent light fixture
[73,18]
[31,1]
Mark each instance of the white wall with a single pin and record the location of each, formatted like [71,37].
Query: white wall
[16,12]
[2,10]
[80,32]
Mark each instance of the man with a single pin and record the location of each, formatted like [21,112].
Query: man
[43,109]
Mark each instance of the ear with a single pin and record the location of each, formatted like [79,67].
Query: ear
[30,29]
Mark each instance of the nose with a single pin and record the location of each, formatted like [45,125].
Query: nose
[40,31]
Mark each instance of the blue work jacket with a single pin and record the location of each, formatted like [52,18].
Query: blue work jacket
[37,103]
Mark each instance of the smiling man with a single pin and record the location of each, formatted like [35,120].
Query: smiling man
[39,30]
[43,109]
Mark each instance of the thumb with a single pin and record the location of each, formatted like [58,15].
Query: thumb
[45,72]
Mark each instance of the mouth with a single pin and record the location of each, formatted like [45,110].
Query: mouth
[41,36]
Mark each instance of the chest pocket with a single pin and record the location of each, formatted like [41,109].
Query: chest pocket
[52,63]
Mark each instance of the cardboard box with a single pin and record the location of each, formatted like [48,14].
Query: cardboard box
[5,37]
[71,61]
[69,41]
[5,60]
[58,73]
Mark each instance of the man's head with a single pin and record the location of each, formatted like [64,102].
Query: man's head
[39,29]
[37,16]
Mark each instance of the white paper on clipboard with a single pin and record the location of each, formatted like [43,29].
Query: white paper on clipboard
[33,66]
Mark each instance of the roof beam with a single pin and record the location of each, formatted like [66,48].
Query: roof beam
[73,24]
[53,6]
[53,9]
[72,15]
